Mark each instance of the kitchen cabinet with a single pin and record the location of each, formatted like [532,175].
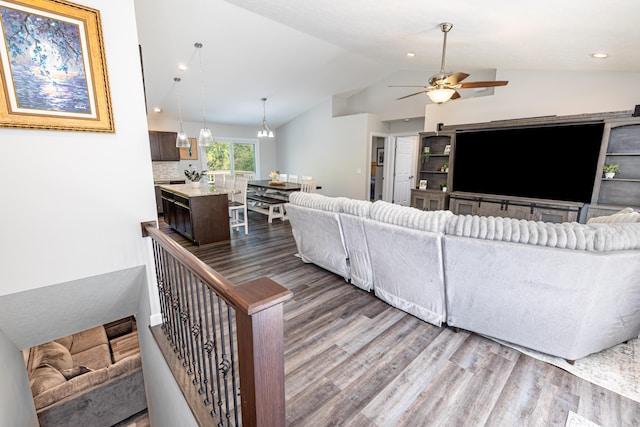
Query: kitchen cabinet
[157,184]
[199,214]
[163,146]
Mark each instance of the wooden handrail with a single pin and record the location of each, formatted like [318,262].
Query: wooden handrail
[258,307]
[248,298]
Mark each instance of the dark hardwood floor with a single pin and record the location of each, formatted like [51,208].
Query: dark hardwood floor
[352,360]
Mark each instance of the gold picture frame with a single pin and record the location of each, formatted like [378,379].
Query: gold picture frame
[53,72]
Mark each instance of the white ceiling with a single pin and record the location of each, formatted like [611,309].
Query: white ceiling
[298,53]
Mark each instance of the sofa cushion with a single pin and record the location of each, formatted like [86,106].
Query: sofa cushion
[434,221]
[357,207]
[566,235]
[66,341]
[44,378]
[317,201]
[88,339]
[625,215]
[95,357]
[53,354]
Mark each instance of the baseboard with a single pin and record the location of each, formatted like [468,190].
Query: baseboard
[155,319]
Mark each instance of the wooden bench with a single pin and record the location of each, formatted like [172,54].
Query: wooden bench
[271,206]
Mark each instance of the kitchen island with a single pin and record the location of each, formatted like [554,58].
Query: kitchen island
[199,212]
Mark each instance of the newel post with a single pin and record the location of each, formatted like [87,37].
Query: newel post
[261,352]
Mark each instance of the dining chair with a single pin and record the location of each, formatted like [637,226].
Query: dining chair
[229,185]
[218,179]
[306,177]
[293,178]
[308,186]
[283,177]
[238,205]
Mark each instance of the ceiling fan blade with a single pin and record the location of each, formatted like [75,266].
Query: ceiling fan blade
[455,78]
[417,93]
[456,95]
[408,86]
[468,85]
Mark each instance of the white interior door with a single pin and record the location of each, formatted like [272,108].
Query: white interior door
[405,165]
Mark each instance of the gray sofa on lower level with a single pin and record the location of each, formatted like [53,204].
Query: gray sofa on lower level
[568,289]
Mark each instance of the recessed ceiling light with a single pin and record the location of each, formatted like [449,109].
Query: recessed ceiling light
[410,54]
[157,110]
[599,55]
[182,67]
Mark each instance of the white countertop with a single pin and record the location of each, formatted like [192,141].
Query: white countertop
[194,189]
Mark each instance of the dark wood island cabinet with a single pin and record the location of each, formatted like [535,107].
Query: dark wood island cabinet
[199,212]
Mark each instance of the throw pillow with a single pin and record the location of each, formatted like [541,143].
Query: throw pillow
[56,355]
[74,372]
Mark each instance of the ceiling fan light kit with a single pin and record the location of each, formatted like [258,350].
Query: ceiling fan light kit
[439,96]
[443,86]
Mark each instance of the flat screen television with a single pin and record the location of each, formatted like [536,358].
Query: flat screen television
[556,162]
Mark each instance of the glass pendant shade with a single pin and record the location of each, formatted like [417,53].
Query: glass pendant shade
[440,96]
[206,138]
[182,140]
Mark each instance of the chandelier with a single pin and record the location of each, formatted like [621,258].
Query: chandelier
[265,132]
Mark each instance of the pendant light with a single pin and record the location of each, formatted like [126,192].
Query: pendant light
[182,140]
[265,132]
[205,139]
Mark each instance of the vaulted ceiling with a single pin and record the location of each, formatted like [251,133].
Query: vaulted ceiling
[298,53]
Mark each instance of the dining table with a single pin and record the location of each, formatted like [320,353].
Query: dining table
[280,186]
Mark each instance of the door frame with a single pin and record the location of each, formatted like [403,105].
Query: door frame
[389,163]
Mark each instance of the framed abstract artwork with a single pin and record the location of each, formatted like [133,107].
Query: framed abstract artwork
[190,152]
[53,73]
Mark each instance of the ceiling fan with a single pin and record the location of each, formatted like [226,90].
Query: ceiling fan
[443,86]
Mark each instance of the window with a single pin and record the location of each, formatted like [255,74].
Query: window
[232,155]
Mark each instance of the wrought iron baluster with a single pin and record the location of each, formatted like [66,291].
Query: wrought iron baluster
[184,317]
[175,321]
[232,351]
[224,366]
[215,371]
[208,347]
[195,328]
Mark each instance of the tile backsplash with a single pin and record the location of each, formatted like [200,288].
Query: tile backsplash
[166,170]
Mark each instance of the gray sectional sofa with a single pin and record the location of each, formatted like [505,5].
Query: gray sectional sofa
[567,289]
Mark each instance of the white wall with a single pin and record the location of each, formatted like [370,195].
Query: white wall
[16,404]
[75,200]
[335,151]
[533,94]
[73,204]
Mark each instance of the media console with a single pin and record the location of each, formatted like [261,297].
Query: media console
[556,178]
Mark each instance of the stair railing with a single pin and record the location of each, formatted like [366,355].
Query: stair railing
[223,342]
